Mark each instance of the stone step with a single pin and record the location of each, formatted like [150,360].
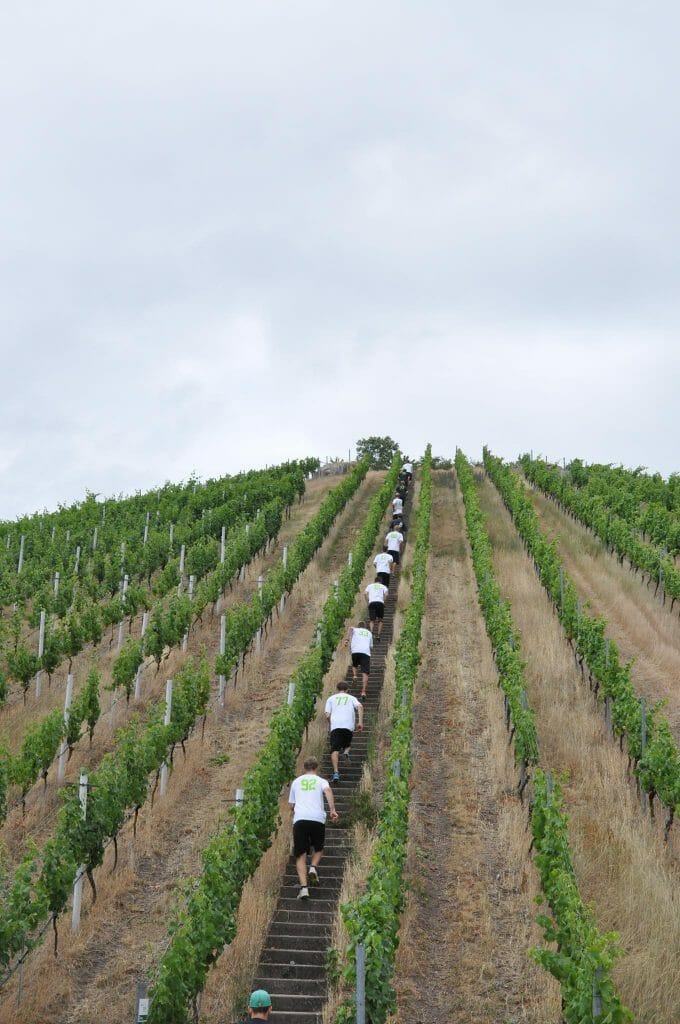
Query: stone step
[294,907]
[285,955]
[309,911]
[299,936]
[299,1004]
[327,871]
[292,966]
[331,859]
[291,986]
[330,883]
[294,1017]
[293,971]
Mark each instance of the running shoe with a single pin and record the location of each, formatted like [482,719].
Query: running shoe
[303,893]
[336,777]
[313,876]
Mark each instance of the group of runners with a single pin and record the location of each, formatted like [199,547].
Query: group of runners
[310,792]
[343,710]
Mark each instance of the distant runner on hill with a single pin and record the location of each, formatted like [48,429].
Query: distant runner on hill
[397,505]
[360,642]
[383,563]
[376,595]
[407,470]
[306,799]
[398,523]
[394,541]
[342,711]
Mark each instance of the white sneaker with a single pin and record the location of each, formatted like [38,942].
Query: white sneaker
[303,893]
[313,876]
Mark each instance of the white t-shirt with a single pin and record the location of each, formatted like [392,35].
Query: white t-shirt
[376,592]
[383,562]
[394,540]
[342,709]
[407,467]
[362,640]
[306,793]
[398,506]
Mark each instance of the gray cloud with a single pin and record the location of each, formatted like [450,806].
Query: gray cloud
[232,235]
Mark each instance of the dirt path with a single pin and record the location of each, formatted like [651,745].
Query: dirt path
[42,803]
[643,629]
[622,866]
[464,937]
[123,935]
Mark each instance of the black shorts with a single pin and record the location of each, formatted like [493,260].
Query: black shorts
[362,661]
[308,834]
[384,578]
[341,739]
[376,610]
[395,556]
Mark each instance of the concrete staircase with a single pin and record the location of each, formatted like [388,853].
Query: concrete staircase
[292,965]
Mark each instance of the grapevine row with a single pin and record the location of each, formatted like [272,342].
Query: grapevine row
[657,766]
[373,918]
[98,529]
[42,883]
[207,923]
[167,630]
[85,620]
[613,530]
[585,956]
[499,626]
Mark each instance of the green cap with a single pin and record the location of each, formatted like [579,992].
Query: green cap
[259,999]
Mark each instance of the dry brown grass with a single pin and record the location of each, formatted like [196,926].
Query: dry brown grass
[234,971]
[15,716]
[372,781]
[42,803]
[622,866]
[122,936]
[643,629]
[469,917]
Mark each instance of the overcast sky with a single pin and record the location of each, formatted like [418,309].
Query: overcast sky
[231,234]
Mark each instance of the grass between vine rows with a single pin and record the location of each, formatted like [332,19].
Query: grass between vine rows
[42,804]
[470,916]
[621,865]
[129,922]
[642,628]
[230,981]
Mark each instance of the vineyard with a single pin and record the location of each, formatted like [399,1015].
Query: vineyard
[507,849]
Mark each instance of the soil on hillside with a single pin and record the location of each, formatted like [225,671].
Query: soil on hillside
[124,933]
[624,870]
[643,629]
[469,920]
[42,803]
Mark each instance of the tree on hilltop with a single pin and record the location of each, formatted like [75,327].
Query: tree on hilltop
[380,450]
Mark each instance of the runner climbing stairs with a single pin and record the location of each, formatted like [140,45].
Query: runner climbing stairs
[292,967]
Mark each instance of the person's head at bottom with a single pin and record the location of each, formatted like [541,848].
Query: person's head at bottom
[259,1004]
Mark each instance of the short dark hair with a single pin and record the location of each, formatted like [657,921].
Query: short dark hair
[361,624]
[311,763]
[343,685]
